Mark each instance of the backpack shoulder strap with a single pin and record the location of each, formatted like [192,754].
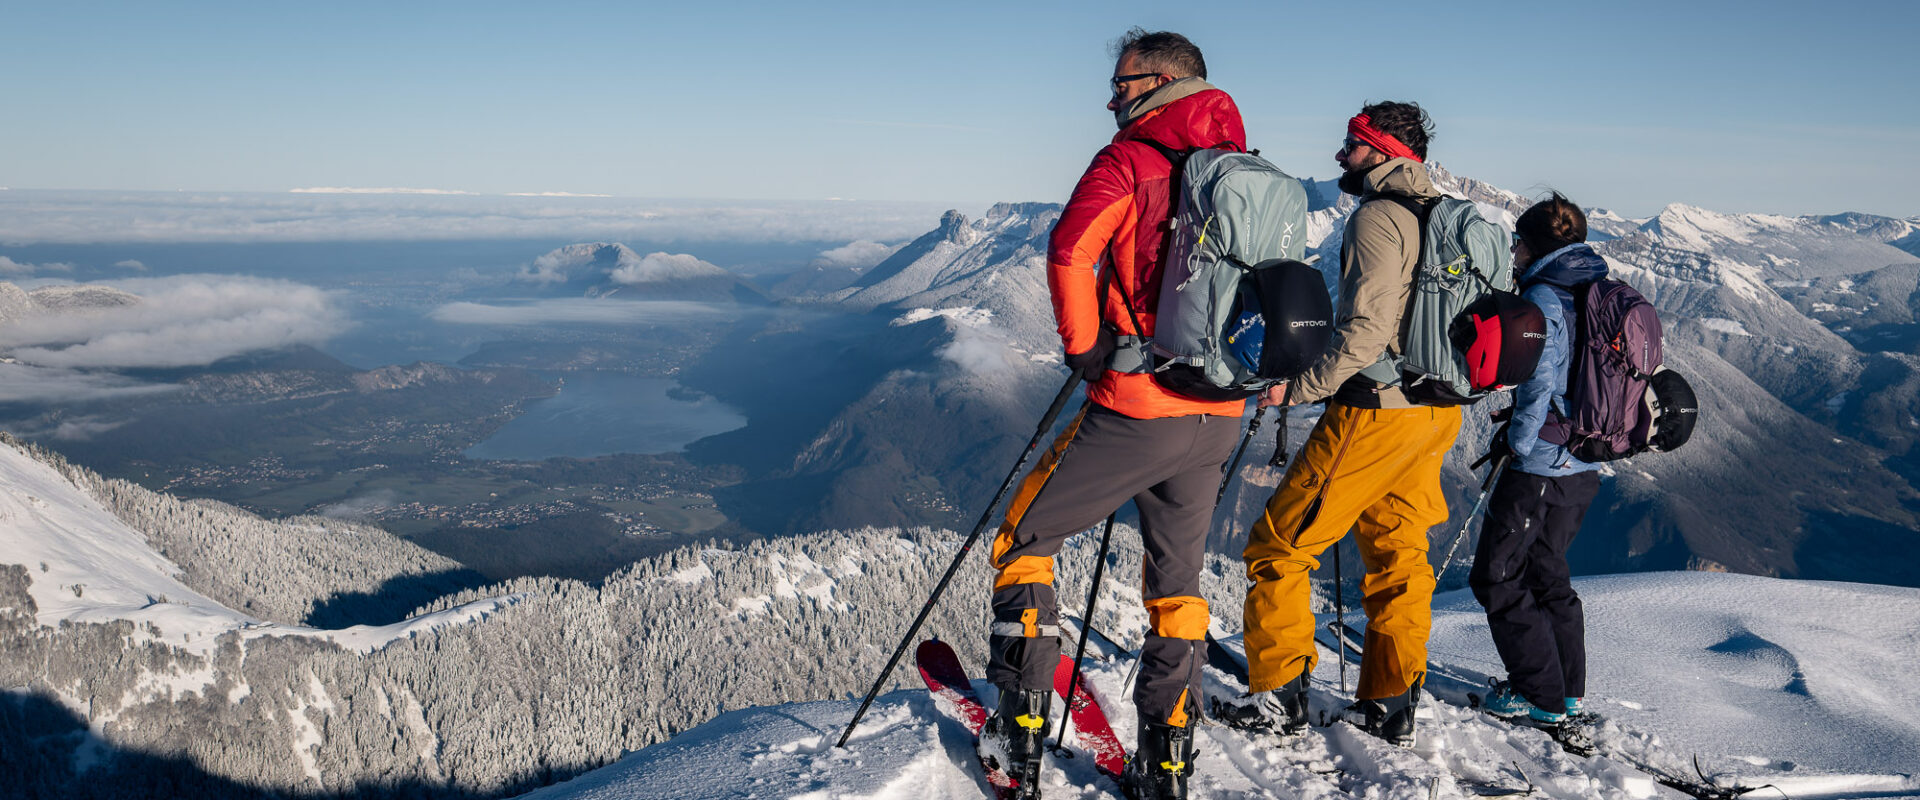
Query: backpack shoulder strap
[1175,157]
[1420,209]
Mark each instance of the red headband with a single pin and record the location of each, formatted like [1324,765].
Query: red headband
[1361,127]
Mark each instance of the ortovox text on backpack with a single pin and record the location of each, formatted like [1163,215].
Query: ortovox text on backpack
[1466,334]
[1238,311]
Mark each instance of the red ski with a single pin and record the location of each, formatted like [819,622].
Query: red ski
[953,693]
[1090,725]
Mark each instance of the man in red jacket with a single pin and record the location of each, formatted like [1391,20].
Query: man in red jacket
[1133,439]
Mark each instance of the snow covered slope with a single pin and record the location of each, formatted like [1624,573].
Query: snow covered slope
[1790,247]
[88,566]
[1805,686]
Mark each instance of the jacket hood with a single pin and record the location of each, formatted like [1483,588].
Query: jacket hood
[1185,114]
[1401,176]
[1568,266]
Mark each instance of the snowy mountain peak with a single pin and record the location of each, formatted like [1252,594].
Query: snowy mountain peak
[1695,228]
[955,228]
[1478,191]
[568,262]
[16,302]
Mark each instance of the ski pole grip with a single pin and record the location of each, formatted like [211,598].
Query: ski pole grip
[1494,474]
[1279,458]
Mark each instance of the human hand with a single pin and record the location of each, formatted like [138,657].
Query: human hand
[1497,449]
[1092,364]
[1275,395]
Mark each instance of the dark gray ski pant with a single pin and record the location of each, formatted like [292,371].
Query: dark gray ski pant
[1170,468]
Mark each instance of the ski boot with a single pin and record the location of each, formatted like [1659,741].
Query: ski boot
[1577,708]
[1389,718]
[1160,765]
[1011,739]
[1281,711]
[1564,727]
[1507,704]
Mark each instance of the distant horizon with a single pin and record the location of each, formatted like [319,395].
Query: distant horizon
[1767,107]
[410,214]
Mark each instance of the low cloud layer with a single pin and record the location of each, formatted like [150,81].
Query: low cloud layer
[978,345]
[25,383]
[44,216]
[15,269]
[664,267]
[600,311]
[362,507]
[186,320]
[372,190]
[856,255]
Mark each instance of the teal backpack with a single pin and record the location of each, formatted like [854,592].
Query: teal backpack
[1238,311]
[1461,311]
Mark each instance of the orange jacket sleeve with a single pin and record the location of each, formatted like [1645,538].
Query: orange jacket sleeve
[1101,202]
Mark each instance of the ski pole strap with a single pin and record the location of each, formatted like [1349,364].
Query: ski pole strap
[1130,355]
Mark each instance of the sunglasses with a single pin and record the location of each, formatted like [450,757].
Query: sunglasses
[1516,240]
[1121,80]
[1351,145]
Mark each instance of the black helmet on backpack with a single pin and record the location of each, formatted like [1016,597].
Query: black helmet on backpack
[1674,410]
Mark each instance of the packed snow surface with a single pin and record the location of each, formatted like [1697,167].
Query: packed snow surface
[1803,686]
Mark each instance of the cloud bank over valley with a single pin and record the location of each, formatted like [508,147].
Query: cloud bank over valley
[178,321]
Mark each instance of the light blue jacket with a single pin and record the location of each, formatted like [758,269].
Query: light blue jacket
[1546,283]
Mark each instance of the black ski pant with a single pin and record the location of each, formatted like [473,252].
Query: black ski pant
[1520,576]
[1170,469]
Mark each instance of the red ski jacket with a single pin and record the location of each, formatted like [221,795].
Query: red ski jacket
[1117,217]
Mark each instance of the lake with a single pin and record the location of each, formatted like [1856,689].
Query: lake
[602,413]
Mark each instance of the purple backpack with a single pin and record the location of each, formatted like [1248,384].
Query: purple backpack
[1614,354]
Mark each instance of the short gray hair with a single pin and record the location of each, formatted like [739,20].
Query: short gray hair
[1162,51]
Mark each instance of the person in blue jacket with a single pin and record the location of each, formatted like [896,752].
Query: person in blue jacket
[1520,572]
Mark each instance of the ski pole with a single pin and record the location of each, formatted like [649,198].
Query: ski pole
[1486,489]
[1340,615]
[1039,433]
[1086,624]
[1227,469]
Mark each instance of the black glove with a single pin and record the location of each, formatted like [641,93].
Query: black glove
[1497,449]
[1092,364]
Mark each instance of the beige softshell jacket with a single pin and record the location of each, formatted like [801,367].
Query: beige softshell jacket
[1377,260]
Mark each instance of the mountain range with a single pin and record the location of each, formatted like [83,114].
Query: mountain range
[1798,333]
[150,645]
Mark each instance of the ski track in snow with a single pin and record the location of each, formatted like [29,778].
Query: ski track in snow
[1801,686]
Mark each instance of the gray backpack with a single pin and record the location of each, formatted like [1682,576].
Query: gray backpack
[1238,311]
[1462,307]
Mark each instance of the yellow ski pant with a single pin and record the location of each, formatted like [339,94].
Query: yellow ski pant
[1377,472]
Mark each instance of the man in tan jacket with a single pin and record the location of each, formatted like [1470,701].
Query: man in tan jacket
[1372,464]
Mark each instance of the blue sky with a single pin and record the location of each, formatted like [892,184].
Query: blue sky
[1772,107]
